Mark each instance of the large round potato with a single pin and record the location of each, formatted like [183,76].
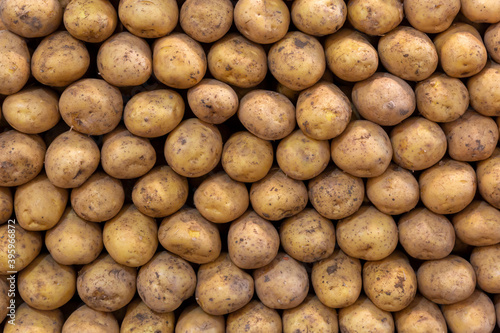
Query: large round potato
[14,53]
[213,101]
[319,17]
[197,19]
[311,315]
[97,23]
[478,224]
[492,41]
[362,314]
[139,317]
[149,19]
[28,245]
[86,319]
[484,90]
[29,319]
[375,17]
[430,16]
[420,315]
[486,263]
[488,178]
[254,317]
[481,11]
[194,319]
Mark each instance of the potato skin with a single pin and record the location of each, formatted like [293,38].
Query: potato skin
[319,17]
[98,23]
[492,40]
[310,315]
[140,318]
[488,178]
[362,314]
[28,246]
[478,224]
[197,19]
[254,317]
[14,54]
[5,297]
[430,16]
[194,319]
[6,204]
[481,11]
[152,19]
[89,320]
[375,17]
[420,315]
[483,89]
[213,101]
[29,319]
[486,264]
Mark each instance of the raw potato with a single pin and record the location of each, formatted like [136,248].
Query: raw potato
[6,296]
[337,280]
[497,308]
[486,263]
[478,224]
[14,53]
[194,319]
[254,317]
[446,281]
[165,282]
[384,99]
[213,101]
[492,41]
[484,90]
[27,247]
[481,11]
[488,178]
[140,318]
[190,236]
[297,60]
[38,204]
[85,319]
[375,17]
[206,20]
[105,285]
[431,16]
[74,241]
[31,320]
[319,17]
[96,25]
[22,157]
[311,315]
[151,19]
[362,314]
[425,235]
[6,204]
[262,21]
[131,238]
[46,285]
[420,316]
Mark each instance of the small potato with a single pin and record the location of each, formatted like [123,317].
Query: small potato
[362,150]
[421,315]
[486,263]
[277,196]
[441,98]
[6,204]
[85,319]
[213,101]
[484,90]
[194,319]
[297,60]
[152,19]
[165,282]
[193,148]
[282,284]
[408,53]
[262,21]
[337,280]
[33,110]
[368,234]
[190,236]
[362,314]
[161,192]
[105,285]
[430,16]
[74,241]
[29,319]
[71,159]
[98,23]
[151,114]
[38,204]
[140,318]
[46,285]
[448,187]
[492,41]
[481,11]
[384,99]
[22,157]
[474,314]
[375,17]
[311,315]
[27,245]
[254,317]
[91,106]
[418,143]
[197,19]
[446,281]
[14,63]
[478,224]
[425,235]
[488,178]
[319,17]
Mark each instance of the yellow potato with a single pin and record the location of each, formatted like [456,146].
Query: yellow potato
[18,247]
[151,19]
[14,54]
[254,317]
[483,89]
[29,319]
[197,19]
[492,41]
[319,17]
[7,302]
[375,17]
[6,204]
[194,319]
[96,25]
[430,16]
[310,315]
[480,11]
[486,263]
[141,318]
[488,178]
[85,319]
[213,101]
[362,314]
[421,315]
[478,224]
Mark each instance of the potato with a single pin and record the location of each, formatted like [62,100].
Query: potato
[474,314]
[29,319]
[150,19]
[297,60]
[197,19]
[165,282]
[310,315]
[213,101]
[363,314]
[161,192]
[446,281]
[96,25]
[22,157]
[88,320]
[18,249]
[384,99]
[91,106]
[246,157]
[349,54]
[254,317]
[481,11]
[448,187]
[74,241]
[425,235]
[277,196]
[14,62]
[126,156]
[319,17]
[194,319]
[375,17]
[478,224]
[441,98]
[486,264]
[282,284]
[141,318]
[33,110]
[420,316]
[125,60]
[190,236]
[408,53]
[368,234]
[337,280]
[483,89]
[38,204]
[488,178]
[492,41]
[362,150]
[429,16]
[6,204]
[497,308]
[31,19]
[7,287]
[394,192]
[336,194]
[418,143]
[131,238]
[193,148]
[105,285]
[71,159]
[46,285]
[262,21]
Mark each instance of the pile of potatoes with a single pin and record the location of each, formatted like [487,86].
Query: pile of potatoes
[250,166]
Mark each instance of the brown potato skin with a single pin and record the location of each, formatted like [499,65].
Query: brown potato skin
[420,315]
[482,11]
[319,17]
[152,19]
[254,317]
[375,17]
[497,307]
[5,297]
[492,41]
[483,89]
[310,315]
[478,224]
[28,245]
[431,16]
[29,319]
[14,54]
[194,319]
[139,318]
[197,19]
[6,204]
[486,264]
[98,23]
[488,178]
[363,313]
[213,101]
[89,320]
